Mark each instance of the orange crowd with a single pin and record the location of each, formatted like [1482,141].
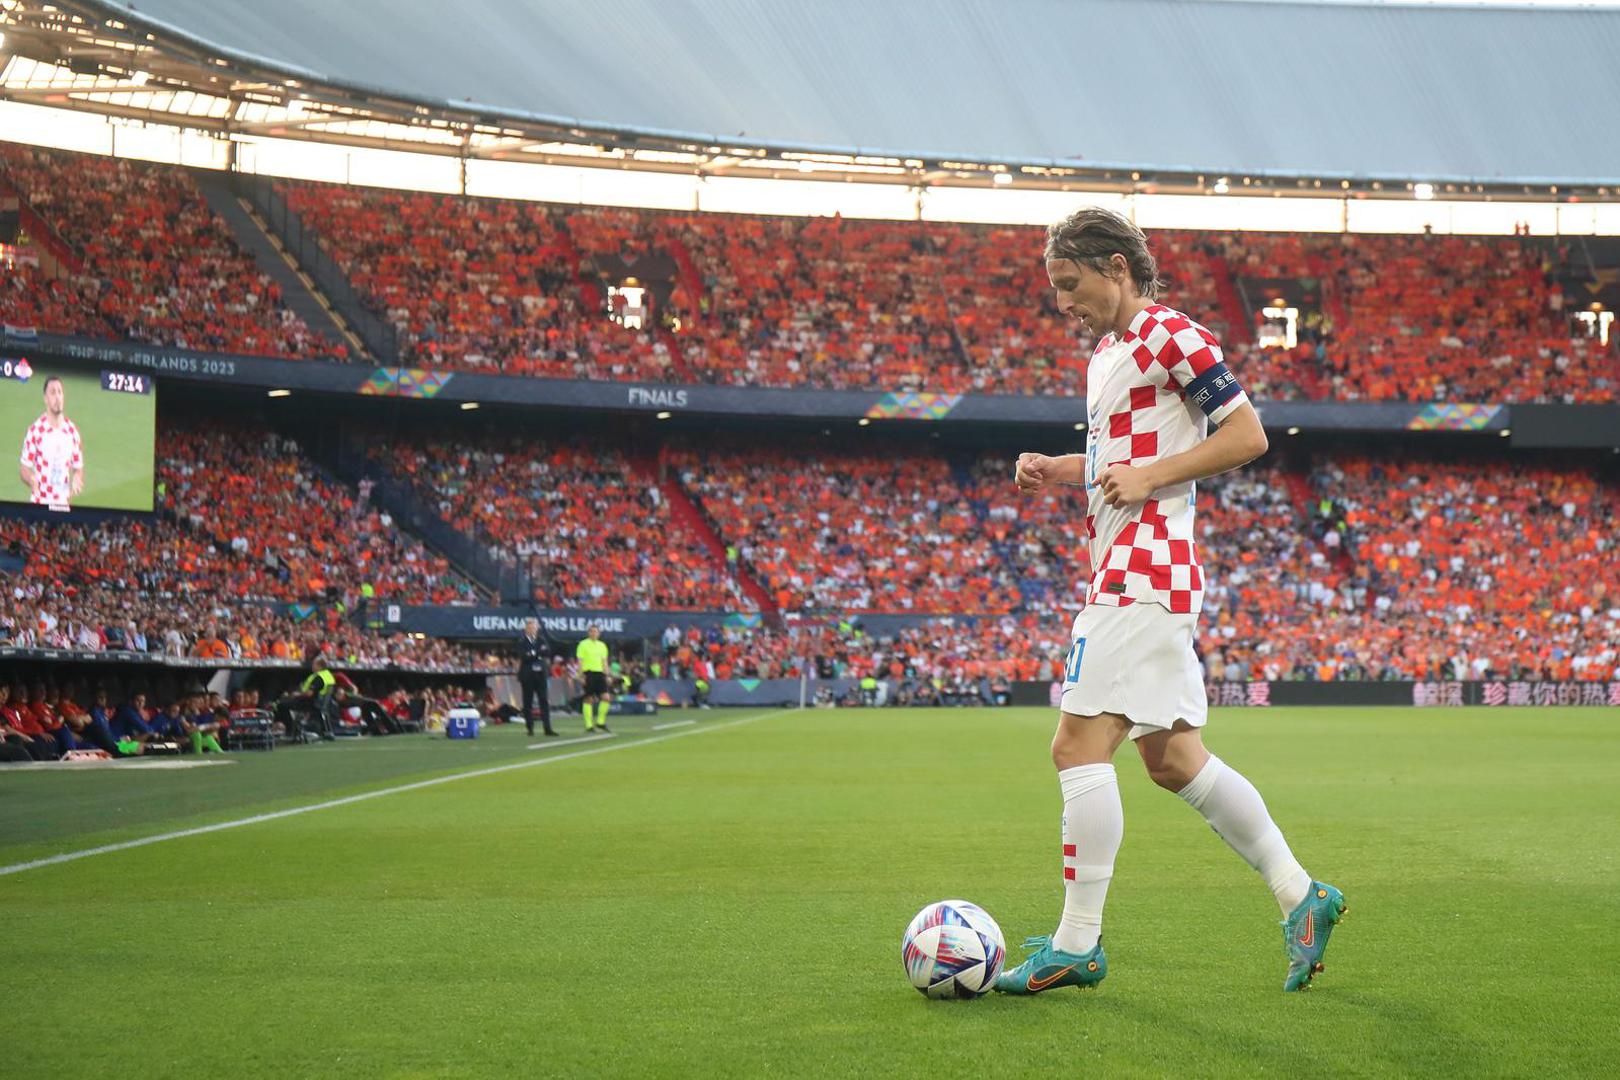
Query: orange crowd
[478,285]
[947,648]
[522,288]
[1477,568]
[267,524]
[251,554]
[594,527]
[157,265]
[832,530]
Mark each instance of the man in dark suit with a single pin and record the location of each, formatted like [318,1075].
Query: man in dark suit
[534,665]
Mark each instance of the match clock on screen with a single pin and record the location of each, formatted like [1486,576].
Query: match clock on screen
[126,382]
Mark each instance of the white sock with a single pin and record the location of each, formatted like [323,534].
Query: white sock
[1093,825]
[1237,813]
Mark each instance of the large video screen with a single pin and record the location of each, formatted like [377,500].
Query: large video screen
[76,438]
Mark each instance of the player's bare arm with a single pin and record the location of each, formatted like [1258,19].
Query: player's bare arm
[1033,472]
[1239,440]
[78,482]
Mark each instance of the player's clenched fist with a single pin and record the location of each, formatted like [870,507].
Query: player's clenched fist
[1033,471]
[1125,485]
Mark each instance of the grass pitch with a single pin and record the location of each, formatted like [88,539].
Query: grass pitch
[729,902]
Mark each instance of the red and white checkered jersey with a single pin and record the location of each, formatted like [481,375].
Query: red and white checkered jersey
[54,453]
[1150,394]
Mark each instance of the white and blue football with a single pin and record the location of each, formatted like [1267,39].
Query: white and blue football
[953,949]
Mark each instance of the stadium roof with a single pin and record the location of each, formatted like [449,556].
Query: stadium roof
[1493,94]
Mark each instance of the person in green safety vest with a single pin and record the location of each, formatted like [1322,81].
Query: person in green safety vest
[700,693]
[592,654]
[868,690]
[321,685]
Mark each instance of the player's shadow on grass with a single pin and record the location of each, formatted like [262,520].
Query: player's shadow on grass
[1281,1036]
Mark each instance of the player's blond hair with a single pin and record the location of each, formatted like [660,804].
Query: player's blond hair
[1093,236]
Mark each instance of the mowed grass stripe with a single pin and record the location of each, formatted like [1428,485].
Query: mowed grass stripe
[329,804]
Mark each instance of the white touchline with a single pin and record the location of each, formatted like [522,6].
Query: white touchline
[672,723]
[589,736]
[125,845]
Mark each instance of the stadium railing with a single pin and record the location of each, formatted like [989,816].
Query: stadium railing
[304,245]
[506,580]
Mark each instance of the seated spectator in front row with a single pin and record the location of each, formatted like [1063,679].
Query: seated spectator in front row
[202,728]
[16,737]
[80,730]
[133,723]
[42,713]
[170,724]
[17,718]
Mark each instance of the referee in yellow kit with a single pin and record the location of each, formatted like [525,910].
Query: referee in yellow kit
[593,655]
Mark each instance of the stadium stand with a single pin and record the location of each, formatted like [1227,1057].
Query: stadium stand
[1298,589]
[518,287]
[157,265]
[596,519]
[835,531]
[90,595]
[1335,585]
[1011,647]
[480,285]
[1475,569]
[292,533]
[1426,318]
[486,284]
[245,529]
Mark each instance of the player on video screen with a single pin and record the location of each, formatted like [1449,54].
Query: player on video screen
[52,454]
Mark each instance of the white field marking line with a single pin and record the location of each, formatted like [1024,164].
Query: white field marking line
[672,723]
[595,736]
[105,849]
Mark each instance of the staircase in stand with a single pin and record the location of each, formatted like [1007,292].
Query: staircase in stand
[298,292]
[688,277]
[1305,501]
[677,358]
[685,511]
[57,257]
[1239,326]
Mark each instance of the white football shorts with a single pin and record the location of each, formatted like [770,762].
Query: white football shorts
[1137,662]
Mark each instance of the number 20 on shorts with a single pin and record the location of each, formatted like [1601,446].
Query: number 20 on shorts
[1071,671]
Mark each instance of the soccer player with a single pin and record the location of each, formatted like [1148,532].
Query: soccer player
[52,453]
[1155,381]
[592,654]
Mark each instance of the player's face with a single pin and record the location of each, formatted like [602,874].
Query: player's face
[1085,295]
[54,398]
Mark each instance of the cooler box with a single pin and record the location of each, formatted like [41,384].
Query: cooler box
[462,724]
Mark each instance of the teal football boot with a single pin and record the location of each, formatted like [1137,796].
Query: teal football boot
[1047,967]
[1306,932]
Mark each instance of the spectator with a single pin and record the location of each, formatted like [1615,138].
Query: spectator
[21,733]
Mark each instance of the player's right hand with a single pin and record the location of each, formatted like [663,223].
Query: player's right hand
[1032,471]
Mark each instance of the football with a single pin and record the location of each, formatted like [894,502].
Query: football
[953,949]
